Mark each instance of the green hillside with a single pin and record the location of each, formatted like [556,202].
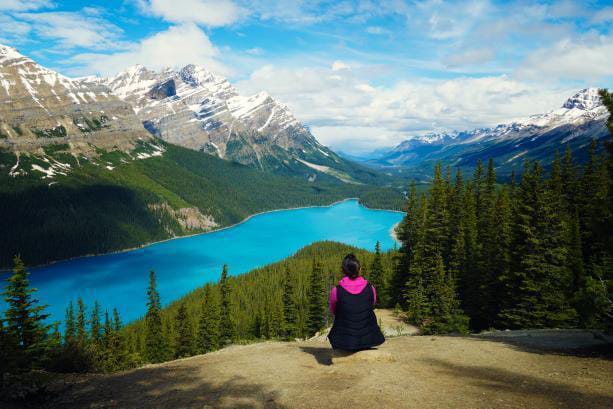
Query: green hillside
[257,296]
[114,202]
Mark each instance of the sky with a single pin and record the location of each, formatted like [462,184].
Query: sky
[362,74]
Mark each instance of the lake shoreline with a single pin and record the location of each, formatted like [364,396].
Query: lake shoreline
[246,219]
[393,232]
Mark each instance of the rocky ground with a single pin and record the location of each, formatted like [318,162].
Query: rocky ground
[496,370]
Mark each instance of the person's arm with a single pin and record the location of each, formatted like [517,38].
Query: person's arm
[332,300]
[374,294]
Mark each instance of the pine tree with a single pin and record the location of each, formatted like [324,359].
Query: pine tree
[71,326]
[184,333]
[456,240]
[94,324]
[228,332]
[444,307]
[107,331]
[478,182]
[55,339]
[155,344]
[501,266]
[415,293]
[169,336]
[430,290]
[275,320]
[467,284]
[438,213]
[118,341]
[589,207]
[290,311]
[558,286]
[484,277]
[10,357]
[537,287]
[209,324]
[407,235]
[316,301]
[24,318]
[521,286]
[258,326]
[81,323]
[376,277]
[568,174]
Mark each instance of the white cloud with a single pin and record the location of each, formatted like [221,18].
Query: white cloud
[350,114]
[205,12]
[24,5]
[75,29]
[356,139]
[589,59]
[11,30]
[339,65]
[177,47]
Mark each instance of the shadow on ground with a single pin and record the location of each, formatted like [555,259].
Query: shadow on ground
[524,386]
[321,354]
[581,343]
[165,387]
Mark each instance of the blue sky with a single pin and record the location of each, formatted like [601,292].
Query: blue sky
[362,74]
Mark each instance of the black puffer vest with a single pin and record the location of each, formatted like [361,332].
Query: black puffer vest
[355,324]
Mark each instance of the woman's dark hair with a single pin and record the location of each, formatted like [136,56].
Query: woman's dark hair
[351,266]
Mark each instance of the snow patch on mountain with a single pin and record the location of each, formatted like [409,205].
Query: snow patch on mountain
[582,107]
[200,110]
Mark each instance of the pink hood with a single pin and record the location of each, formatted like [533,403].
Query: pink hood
[353,287]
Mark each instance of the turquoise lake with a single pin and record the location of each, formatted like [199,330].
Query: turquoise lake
[181,265]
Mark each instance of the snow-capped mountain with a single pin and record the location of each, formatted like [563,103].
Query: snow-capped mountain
[197,109]
[40,107]
[580,118]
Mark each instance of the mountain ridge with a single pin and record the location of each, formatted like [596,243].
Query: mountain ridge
[199,110]
[579,119]
[42,108]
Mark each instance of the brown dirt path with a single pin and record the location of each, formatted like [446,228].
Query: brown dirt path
[423,372]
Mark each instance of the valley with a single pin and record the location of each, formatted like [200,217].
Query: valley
[186,264]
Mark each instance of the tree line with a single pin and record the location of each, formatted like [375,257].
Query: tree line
[534,253]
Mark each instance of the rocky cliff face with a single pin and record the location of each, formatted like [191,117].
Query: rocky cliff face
[40,107]
[194,108]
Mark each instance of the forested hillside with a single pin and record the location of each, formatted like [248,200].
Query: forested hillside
[114,202]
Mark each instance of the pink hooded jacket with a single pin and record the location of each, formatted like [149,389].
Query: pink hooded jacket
[353,287]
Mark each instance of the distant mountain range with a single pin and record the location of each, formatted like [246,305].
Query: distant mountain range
[190,107]
[581,118]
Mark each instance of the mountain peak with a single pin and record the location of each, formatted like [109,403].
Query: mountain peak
[196,74]
[586,99]
[9,53]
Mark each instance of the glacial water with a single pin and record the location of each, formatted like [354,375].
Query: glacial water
[181,265]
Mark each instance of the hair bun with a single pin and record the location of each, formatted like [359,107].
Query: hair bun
[351,266]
